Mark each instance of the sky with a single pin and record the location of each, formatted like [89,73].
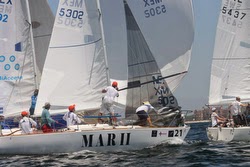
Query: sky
[194,89]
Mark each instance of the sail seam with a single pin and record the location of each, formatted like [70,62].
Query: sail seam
[47,35]
[72,46]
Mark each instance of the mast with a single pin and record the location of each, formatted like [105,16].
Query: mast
[104,45]
[32,42]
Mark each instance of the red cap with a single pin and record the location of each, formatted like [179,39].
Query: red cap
[24,113]
[72,107]
[114,84]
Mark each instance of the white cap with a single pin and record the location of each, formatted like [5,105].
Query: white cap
[213,109]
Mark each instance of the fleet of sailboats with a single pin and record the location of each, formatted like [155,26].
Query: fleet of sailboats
[89,48]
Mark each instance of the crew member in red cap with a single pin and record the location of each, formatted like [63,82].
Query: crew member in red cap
[108,101]
[25,123]
[70,117]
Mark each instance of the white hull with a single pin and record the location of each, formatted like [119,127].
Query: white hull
[228,133]
[93,138]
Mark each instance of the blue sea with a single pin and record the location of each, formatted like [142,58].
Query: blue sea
[197,151]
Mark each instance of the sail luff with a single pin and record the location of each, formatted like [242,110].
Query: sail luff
[104,43]
[32,43]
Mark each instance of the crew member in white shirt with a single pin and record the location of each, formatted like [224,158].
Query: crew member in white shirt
[216,119]
[142,113]
[235,111]
[70,117]
[26,123]
[108,102]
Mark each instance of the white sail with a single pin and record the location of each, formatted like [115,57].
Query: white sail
[75,67]
[42,20]
[230,64]
[18,77]
[147,52]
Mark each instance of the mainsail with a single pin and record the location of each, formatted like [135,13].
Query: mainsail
[18,77]
[231,57]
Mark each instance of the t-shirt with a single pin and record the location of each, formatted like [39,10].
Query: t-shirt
[145,108]
[214,119]
[236,108]
[71,118]
[25,124]
[111,93]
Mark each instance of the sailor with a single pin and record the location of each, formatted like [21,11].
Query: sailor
[108,102]
[235,111]
[46,120]
[26,123]
[142,113]
[33,102]
[216,119]
[70,117]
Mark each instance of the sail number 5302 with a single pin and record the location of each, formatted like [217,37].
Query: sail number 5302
[75,14]
[155,11]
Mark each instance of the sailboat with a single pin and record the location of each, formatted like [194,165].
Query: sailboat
[91,46]
[230,65]
[25,30]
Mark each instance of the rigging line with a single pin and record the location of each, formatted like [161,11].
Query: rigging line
[138,85]
[240,58]
[71,46]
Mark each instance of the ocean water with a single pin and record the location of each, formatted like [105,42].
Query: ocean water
[197,151]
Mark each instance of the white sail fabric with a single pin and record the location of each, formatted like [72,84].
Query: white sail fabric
[17,79]
[169,40]
[42,23]
[230,64]
[75,67]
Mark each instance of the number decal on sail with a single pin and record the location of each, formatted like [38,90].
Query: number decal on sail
[3,18]
[69,17]
[155,11]
[233,13]
[154,8]
[75,14]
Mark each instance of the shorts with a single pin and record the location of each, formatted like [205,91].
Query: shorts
[107,108]
[46,128]
[143,115]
